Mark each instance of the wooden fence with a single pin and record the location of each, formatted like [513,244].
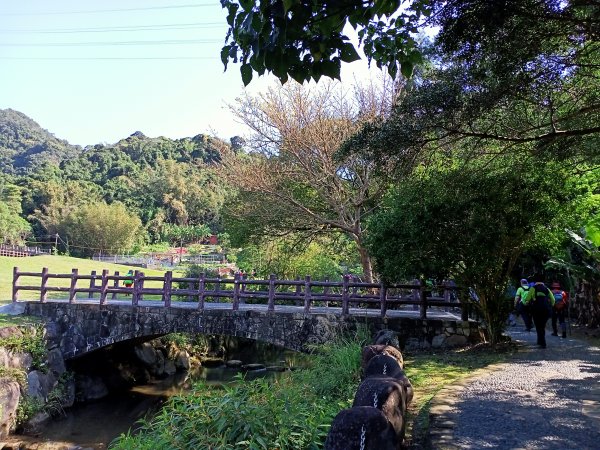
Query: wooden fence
[271,292]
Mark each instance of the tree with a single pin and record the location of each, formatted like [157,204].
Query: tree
[471,222]
[57,200]
[13,228]
[292,181]
[287,258]
[103,228]
[518,76]
[305,39]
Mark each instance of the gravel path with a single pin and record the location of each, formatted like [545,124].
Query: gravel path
[541,399]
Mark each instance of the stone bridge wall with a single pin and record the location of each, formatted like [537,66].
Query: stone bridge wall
[78,329]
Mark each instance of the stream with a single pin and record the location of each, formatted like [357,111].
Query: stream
[94,425]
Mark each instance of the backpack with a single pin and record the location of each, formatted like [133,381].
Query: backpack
[560,300]
[541,301]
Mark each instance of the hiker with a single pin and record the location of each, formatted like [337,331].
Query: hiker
[560,309]
[520,306]
[541,299]
[128,282]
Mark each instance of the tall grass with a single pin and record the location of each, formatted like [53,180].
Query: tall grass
[293,412]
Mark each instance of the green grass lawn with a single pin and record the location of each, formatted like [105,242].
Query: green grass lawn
[55,265]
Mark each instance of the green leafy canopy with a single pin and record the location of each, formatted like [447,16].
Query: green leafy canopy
[304,39]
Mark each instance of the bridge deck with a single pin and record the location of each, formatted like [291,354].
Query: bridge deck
[406,311]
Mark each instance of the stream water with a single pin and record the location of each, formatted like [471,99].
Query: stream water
[95,424]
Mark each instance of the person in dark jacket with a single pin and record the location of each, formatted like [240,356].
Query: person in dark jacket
[541,301]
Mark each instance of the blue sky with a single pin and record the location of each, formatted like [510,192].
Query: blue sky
[96,71]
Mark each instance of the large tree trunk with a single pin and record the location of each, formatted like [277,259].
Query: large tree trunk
[365,261]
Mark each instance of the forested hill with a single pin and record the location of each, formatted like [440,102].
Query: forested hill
[154,185]
[25,145]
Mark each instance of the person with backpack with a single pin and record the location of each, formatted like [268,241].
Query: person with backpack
[560,309]
[541,300]
[128,282]
[520,306]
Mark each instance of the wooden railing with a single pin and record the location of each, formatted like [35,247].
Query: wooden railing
[271,292]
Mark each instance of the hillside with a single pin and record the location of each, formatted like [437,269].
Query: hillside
[150,185]
[24,144]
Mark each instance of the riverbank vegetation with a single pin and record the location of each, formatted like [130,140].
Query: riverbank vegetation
[296,410]
[291,412]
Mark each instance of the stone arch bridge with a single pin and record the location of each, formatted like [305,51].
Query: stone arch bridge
[81,327]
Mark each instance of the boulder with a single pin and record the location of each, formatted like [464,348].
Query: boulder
[370,351]
[360,428]
[7,332]
[456,341]
[4,357]
[39,384]
[170,368]
[234,363]
[386,394]
[158,368]
[89,388]
[182,360]
[146,354]
[438,341]
[10,394]
[13,308]
[68,398]
[56,362]
[253,367]
[21,360]
[53,334]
